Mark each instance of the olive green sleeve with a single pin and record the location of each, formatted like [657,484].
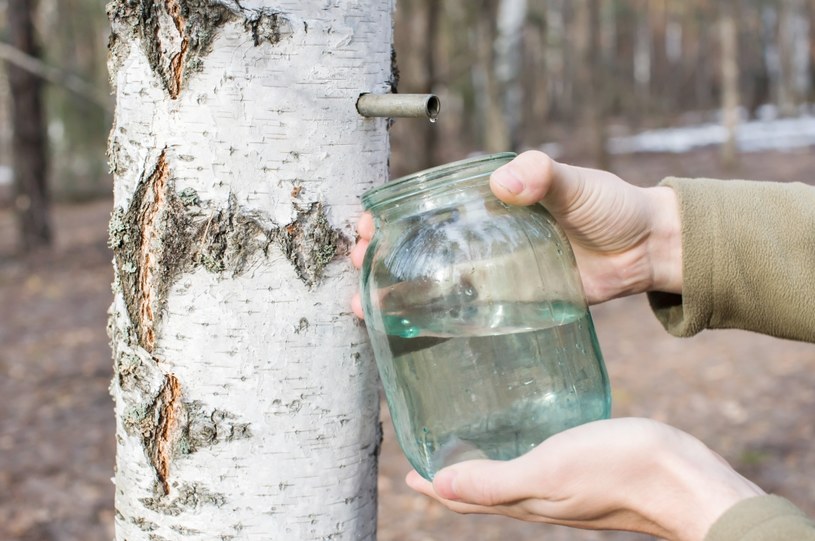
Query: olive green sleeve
[763,518]
[748,259]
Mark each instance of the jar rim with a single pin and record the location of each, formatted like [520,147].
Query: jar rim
[435,177]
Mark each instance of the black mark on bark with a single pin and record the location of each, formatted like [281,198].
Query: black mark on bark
[267,26]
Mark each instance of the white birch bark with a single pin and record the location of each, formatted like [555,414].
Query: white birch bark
[246,399]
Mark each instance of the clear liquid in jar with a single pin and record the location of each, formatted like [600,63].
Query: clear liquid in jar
[491,380]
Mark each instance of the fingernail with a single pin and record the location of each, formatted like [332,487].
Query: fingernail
[444,483]
[507,179]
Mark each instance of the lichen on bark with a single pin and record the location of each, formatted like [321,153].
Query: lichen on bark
[185,497]
[205,428]
[174,34]
[310,243]
[170,427]
[228,237]
[163,234]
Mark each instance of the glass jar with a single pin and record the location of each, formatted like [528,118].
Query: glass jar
[477,317]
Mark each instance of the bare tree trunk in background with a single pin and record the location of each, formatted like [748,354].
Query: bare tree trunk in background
[704,71]
[496,73]
[534,77]
[495,131]
[555,53]
[811,14]
[508,64]
[29,144]
[598,97]
[728,36]
[642,54]
[661,73]
[590,80]
[785,91]
[793,56]
[432,15]
[246,398]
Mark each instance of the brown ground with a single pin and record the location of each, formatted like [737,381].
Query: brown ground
[751,398]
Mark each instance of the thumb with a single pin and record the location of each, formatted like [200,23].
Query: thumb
[484,482]
[533,177]
[525,180]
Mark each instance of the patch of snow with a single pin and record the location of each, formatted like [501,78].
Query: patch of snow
[6,175]
[767,132]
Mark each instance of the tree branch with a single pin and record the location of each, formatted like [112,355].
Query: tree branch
[56,76]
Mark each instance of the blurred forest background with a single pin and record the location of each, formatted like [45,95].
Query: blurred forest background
[645,88]
[570,77]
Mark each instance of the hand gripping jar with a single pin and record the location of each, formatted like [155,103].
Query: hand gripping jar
[477,317]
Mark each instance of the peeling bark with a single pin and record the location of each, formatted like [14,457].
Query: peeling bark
[168,405]
[175,77]
[151,246]
[188,496]
[156,185]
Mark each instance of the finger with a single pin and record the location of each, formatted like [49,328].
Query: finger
[356,306]
[485,482]
[419,483]
[525,180]
[423,486]
[365,226]
[358,252]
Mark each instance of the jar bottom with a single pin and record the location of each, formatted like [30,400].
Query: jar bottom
[497,395]
[509,434]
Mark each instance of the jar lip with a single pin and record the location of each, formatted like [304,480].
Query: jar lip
[432,178]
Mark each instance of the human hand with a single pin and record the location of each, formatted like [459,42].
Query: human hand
[620,474]
[365,232]
[626,239]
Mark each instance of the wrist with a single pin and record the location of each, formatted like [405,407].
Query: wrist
[703,487]
[664,244]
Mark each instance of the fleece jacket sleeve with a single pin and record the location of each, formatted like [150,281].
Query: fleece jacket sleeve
[748,259]
[763,518]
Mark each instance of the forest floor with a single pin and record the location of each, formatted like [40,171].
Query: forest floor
[750,397]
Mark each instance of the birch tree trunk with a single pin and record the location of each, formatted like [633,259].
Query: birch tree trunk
[246,399]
